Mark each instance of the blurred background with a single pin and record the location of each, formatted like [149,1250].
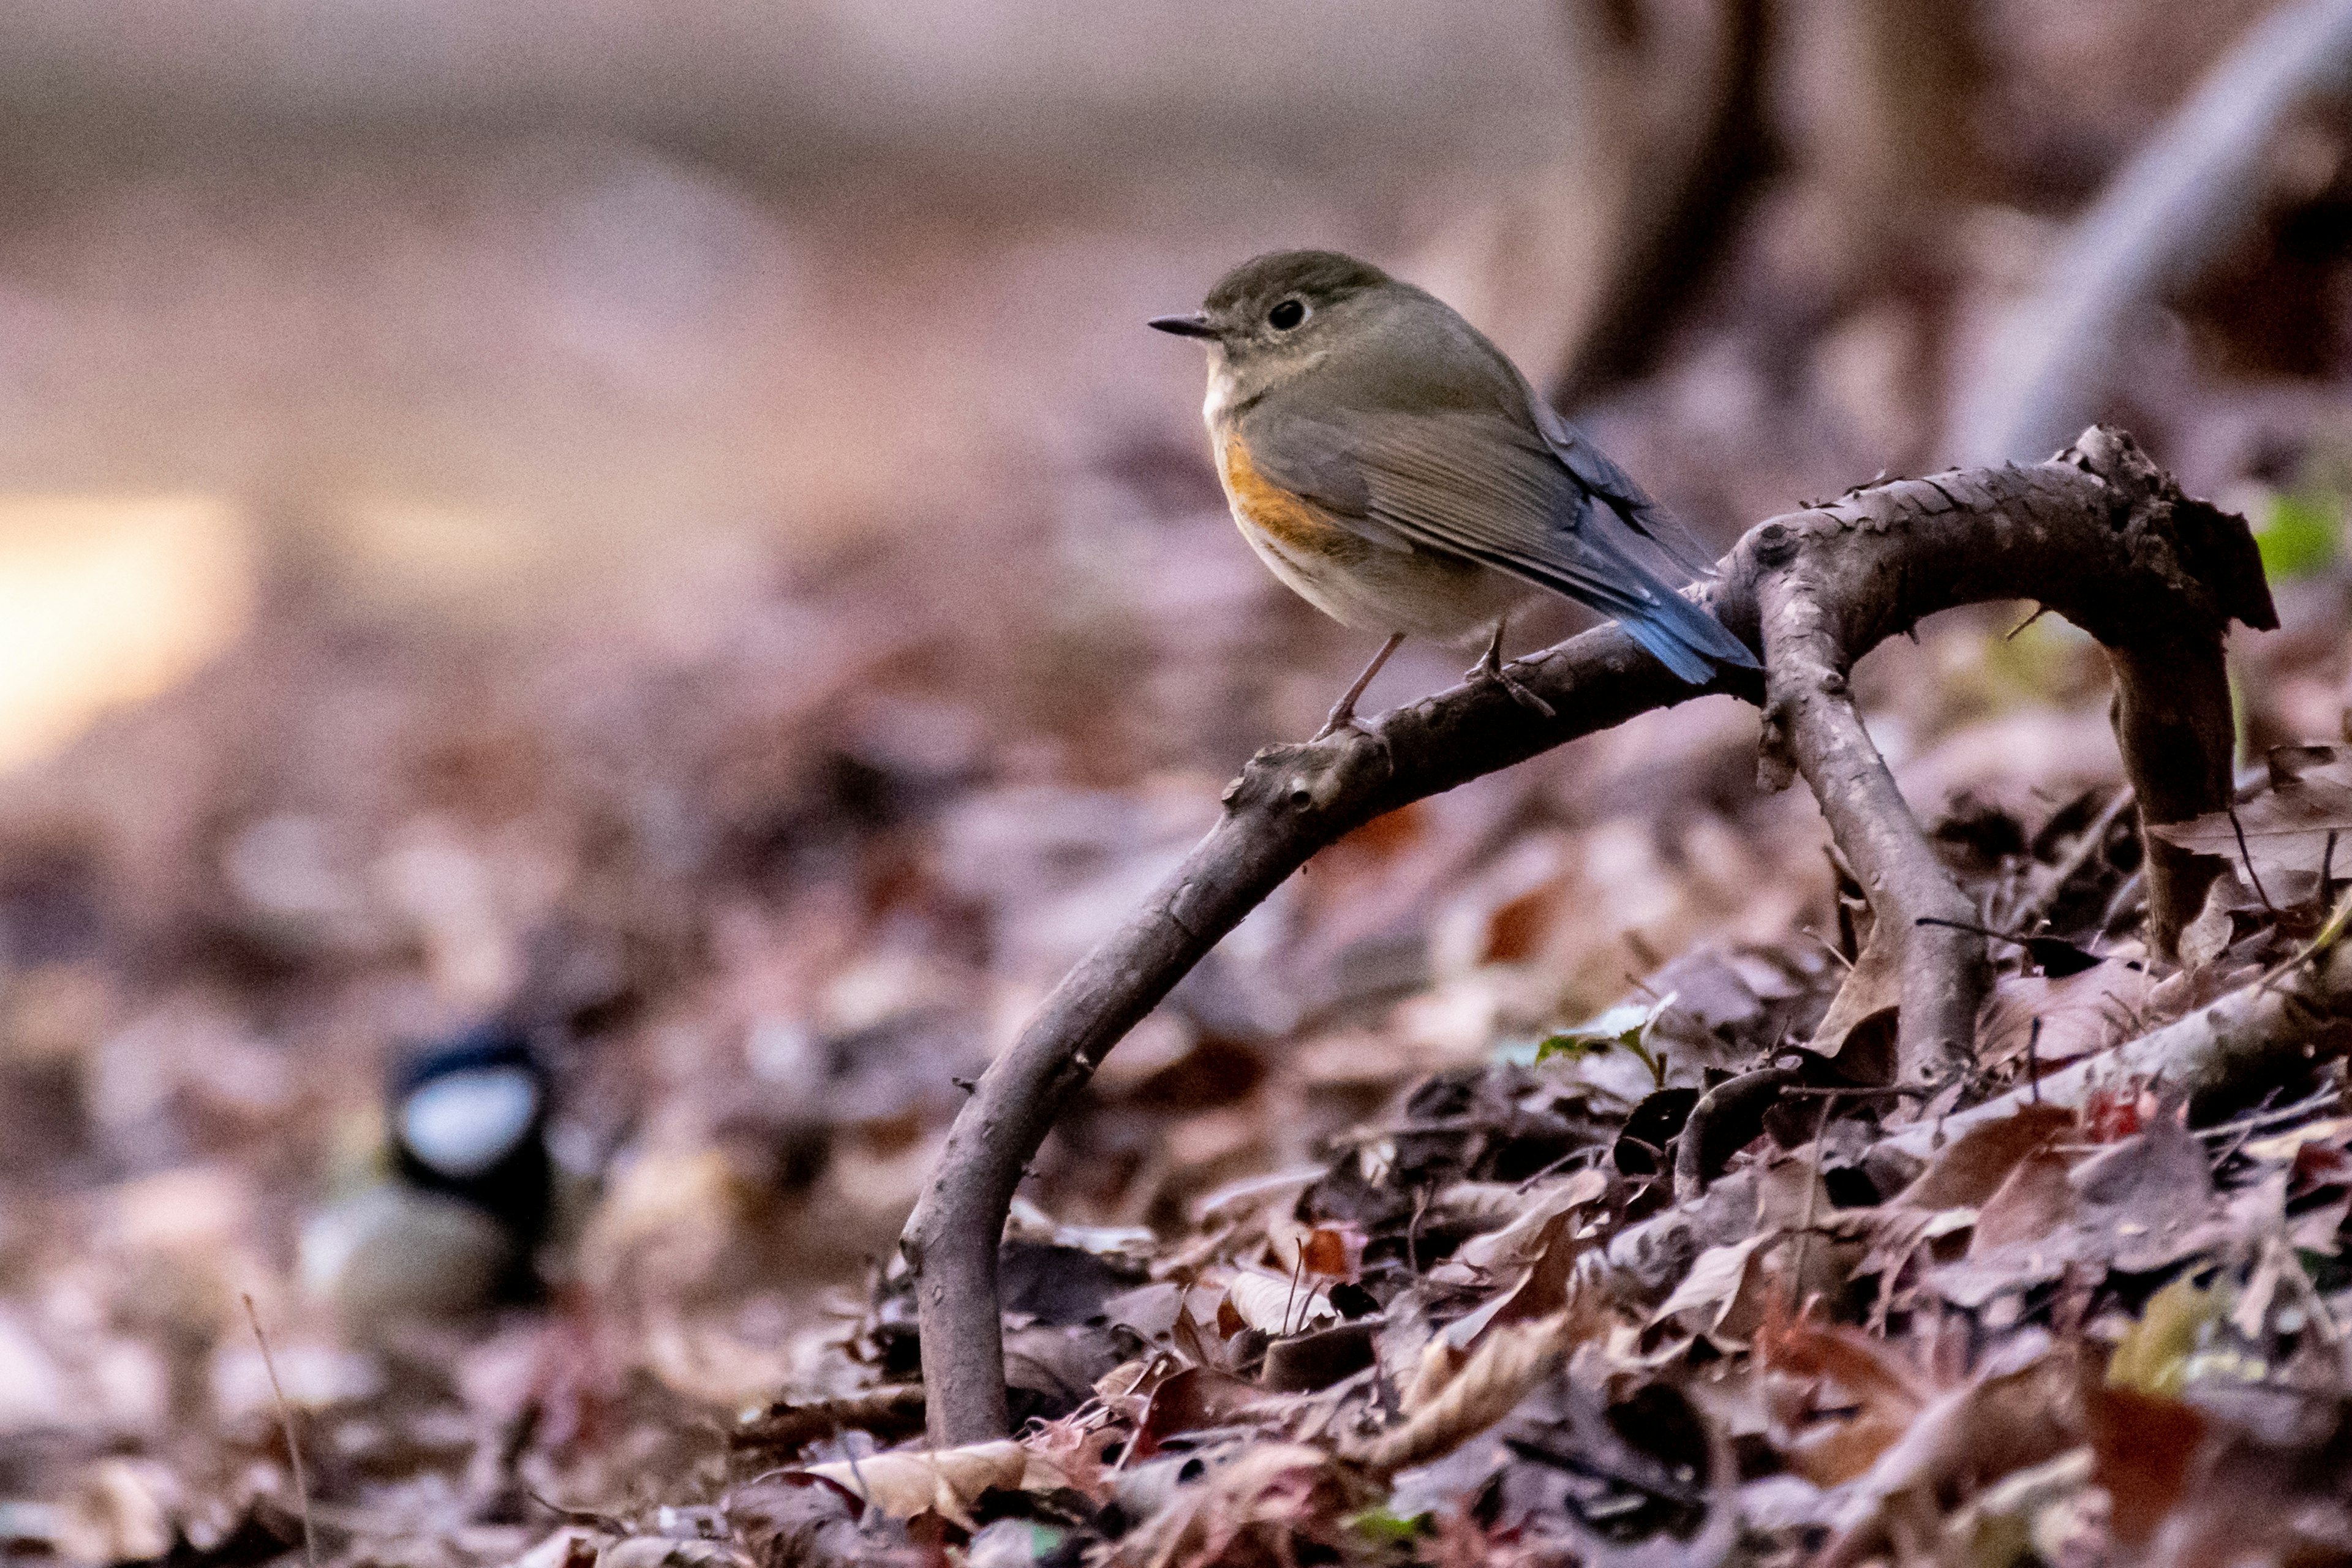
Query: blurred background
[656,531]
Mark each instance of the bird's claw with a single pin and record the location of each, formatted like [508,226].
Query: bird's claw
[1491,670]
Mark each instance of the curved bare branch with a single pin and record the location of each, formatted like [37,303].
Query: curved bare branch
[2097,535]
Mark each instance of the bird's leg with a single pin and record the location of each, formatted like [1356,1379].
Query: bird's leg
[1490,667]
[1344,715]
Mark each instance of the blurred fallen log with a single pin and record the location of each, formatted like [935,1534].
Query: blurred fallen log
[2216,1058]
[2097,535]
[2174,210]
[2228,1050]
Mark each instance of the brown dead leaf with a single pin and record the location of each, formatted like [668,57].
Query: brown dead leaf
[1968,1170]
[1506,1366]
[1724,1295]
[903,1483]
[1263,1506]
[2142,1445]
[1837,1398]
[2034,1199]
[1529,1237]
[1332,1252]
[2139,1205]
[1871,992]
[2286,827]
[2009,1417]
[1189,1399]
[2081,1014]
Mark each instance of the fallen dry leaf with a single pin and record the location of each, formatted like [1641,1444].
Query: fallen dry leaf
[1837,1398]
[2006,1419]
[1722,1297]
[905,1482]
[2144,1445]
[1506,1365]
[1968,1170]
[2079,1013]
[2287,826]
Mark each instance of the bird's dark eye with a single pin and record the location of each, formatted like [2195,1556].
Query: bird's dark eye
[1286,315]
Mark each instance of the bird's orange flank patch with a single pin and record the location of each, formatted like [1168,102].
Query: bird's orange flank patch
[1288,519]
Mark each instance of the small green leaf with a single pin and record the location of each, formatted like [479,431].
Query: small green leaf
[2300,535]
[1626,1027]
[1574,1046]
[1382,1528]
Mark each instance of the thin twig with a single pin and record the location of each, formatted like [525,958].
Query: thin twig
[285,1424]
[1829,947]
[1805,1229]
[2251,875]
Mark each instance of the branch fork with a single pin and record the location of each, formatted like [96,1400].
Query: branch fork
[2097,535]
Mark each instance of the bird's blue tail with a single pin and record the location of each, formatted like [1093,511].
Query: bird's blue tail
[1684,638]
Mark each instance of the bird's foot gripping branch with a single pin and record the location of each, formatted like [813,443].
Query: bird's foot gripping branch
[2097,535]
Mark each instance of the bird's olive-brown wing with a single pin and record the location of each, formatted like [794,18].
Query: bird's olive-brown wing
[1460,482]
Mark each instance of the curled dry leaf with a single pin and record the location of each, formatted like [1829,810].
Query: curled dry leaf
[1508,1364]
[947,1481]
[1541,1247]
[1274,1306]
[1529,1237]
[1723,1296]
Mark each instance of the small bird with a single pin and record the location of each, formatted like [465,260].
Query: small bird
[1394,468]
[468,1120]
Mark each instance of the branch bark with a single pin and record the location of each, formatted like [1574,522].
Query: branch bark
[2097,535]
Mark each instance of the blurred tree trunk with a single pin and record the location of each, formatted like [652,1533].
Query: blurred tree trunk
[1586,267]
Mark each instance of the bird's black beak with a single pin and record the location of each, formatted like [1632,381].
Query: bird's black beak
[1193,325]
